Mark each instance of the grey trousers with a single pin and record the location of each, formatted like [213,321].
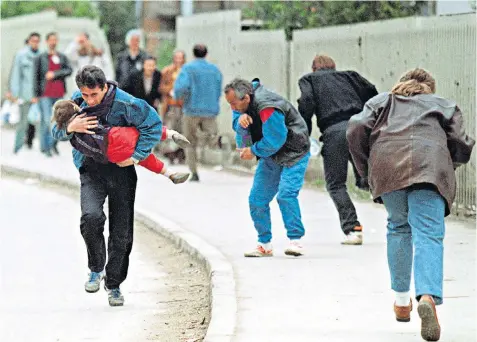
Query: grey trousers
[191,126]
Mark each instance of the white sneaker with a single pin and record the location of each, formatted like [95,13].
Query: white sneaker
[259,252]
[294,248]
[353,238]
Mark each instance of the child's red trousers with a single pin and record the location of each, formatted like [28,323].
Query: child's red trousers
[122,144]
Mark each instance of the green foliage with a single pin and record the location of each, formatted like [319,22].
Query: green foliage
[290,15]
[117,18]
[164,53]
[81,8]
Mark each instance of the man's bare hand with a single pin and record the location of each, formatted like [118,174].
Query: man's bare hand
[246,153]
[34,100]
[82,124]
[245,120]
[125,163]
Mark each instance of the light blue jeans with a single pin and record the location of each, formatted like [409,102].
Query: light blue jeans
[416,221]
[270,179]
[22,126]
[46,108]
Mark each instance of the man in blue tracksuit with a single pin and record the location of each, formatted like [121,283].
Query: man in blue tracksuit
[118,181]
[279,138]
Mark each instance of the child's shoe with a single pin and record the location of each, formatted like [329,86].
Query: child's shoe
[180,140]
[179,177]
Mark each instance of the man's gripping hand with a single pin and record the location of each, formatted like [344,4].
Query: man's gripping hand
[82,124]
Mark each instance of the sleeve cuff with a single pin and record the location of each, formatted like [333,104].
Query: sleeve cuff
[66,136]
[137,156]
[254,150]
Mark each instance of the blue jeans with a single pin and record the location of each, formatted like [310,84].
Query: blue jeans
[416,219]
[270,179]
[46,108]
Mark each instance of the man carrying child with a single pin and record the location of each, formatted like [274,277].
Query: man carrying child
[115,181]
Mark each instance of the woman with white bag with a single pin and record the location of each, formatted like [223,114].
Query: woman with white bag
[21,86]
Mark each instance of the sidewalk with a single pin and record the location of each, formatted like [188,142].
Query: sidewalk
[334,293]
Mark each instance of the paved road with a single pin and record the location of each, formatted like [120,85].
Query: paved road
[43,268]
[334,293]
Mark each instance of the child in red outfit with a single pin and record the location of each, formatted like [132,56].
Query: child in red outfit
[116,144]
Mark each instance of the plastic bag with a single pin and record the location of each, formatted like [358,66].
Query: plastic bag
[34,114]
[5,112]
[315,147]
[14,116]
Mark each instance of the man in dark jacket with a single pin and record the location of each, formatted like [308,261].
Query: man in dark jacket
[280,140]
[118,181]
[334,97]
[130,60]
[50,70]
[144,84]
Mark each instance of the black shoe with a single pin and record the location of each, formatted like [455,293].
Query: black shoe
[194,178]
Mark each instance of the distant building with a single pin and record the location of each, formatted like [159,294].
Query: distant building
[158,18]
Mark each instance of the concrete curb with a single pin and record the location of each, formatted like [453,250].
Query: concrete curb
[223,299]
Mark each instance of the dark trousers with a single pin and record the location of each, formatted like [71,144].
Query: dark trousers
[99,181]
[336,155]
[30,135]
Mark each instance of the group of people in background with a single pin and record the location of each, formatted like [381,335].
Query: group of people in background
[404,146]
[40,78]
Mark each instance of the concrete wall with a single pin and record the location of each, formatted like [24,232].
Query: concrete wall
[246,54]
[15,30]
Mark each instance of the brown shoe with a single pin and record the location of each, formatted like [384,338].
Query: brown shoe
[179,177]
[430,328]
[403,313]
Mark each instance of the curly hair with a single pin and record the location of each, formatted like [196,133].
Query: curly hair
[63,112]
[414,82]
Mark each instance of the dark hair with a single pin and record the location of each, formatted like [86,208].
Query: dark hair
[33,34]
[86,34]
[63,111]
[50,34]
[90,76]
[200,50]
[149,58]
